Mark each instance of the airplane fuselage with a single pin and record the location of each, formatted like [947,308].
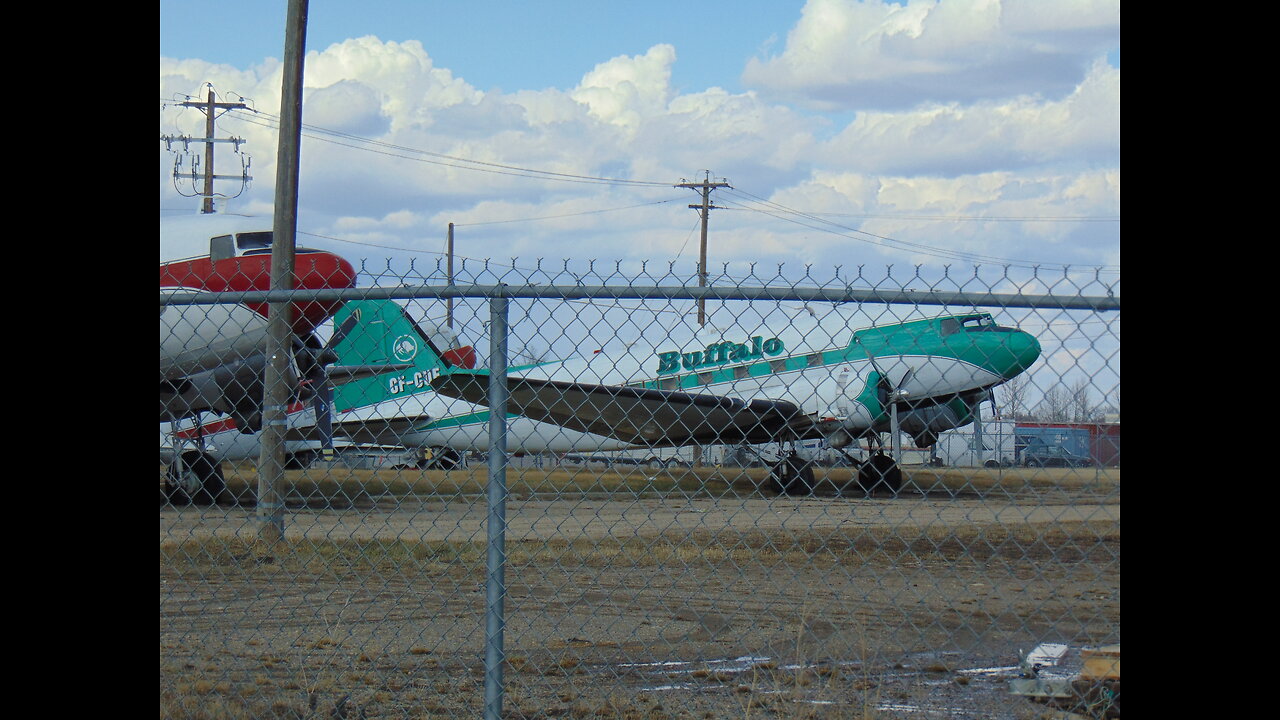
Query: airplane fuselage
[796,384]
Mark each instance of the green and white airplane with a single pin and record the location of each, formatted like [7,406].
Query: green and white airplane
[919,377]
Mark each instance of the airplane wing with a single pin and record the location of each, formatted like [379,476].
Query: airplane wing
[375,431]
[641,416]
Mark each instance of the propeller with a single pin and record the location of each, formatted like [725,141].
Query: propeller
[888,394]
[316,376]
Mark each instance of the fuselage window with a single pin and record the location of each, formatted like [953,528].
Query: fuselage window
[815,359]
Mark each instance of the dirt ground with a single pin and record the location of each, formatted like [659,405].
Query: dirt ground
[646,606]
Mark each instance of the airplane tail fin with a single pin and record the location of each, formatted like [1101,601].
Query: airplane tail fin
[377,332]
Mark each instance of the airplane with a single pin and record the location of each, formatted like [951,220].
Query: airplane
[920,377]
[213,357]
[396,408]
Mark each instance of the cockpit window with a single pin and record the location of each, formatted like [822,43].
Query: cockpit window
[982,323]
[259,243]
[950,326]
[253,241]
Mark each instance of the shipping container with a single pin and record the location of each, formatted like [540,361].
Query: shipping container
[1098,441]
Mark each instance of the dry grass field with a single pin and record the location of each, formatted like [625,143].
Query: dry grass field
[639,594]
[338,485]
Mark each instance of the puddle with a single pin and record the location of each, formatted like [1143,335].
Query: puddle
[992,671]
[967,689]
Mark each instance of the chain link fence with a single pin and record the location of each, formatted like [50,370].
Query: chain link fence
[547,491]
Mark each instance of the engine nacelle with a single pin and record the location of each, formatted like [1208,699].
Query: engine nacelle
[236,390]
[924,424]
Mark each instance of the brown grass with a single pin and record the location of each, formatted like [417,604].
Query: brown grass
[1060,541]
[339,485]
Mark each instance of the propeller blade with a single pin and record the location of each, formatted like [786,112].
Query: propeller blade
[322,401]
[883,387]
[341,331]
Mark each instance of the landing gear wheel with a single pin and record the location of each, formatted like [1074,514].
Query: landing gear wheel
[792,476]
[880,472]
[200,481]
[448,459]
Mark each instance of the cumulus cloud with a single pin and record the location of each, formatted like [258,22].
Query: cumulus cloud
[849,54]
[1023,131]
[626,90]
[348,106]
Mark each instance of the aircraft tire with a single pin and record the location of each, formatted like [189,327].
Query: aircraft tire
[201,482]
[792,476]
[880,472]
[780,478]
[807,482]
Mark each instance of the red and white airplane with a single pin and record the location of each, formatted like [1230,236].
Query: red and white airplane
[212,357]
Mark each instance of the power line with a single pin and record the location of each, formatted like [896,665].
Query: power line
[778,211]
[318,133]
[884,241]
[565,215]
[968,218]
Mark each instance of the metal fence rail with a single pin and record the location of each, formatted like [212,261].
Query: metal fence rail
[565,498]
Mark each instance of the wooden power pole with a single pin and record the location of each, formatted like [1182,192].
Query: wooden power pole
[275,400]
[210,109]
[448,302]
[704,208]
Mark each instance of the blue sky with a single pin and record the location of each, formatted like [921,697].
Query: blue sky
[508,45]
[853,132]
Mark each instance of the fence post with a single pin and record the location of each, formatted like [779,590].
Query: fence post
[496,491]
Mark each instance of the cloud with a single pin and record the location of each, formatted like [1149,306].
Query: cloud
[348,106]
[628,89]
[920,173]
[845,54]
[1024,131]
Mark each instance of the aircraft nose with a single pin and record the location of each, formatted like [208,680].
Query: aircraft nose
[1023,350]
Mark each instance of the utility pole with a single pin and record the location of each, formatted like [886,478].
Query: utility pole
[705,208]
[448,302]
[275,399]
[210,109]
